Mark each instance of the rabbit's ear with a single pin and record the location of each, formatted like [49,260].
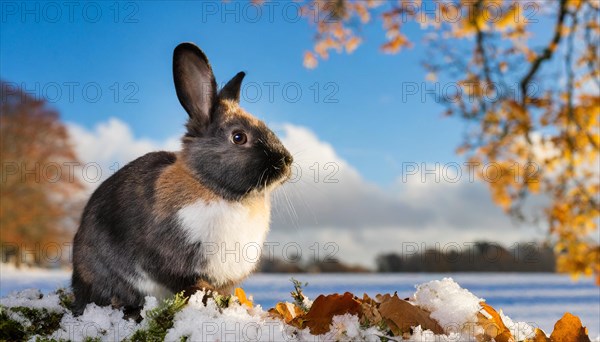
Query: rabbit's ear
[231,91]
[194,82]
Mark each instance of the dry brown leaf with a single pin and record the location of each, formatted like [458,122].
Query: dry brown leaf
[318,319]
[493,327]
[371,315]
[241,296]
[569,329]
[401,316]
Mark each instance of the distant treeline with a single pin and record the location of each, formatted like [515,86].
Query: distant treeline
[478,257]
[475,257]
[467,257]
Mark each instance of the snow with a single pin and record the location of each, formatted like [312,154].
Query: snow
[307,302]
[238,323]
[438,296]
[103,322]
[519,330]
[347,328]
[452,306]
[32,298]
[538,299]
[456,309]
[207,323]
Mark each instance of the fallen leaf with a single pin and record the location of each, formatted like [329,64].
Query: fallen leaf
[569,329]
[540,336]
[401,316]
[241,296]
[286,311]
[370,312]
[493,325]
[318,319]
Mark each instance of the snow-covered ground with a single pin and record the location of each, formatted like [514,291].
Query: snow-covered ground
[538,299]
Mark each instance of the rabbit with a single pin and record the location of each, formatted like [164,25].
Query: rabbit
[173,221]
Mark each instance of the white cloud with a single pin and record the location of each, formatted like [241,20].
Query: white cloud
[111,145]
[331,203]
[364,219]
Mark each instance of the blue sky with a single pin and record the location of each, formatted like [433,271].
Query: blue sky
[362,119]
[57,48]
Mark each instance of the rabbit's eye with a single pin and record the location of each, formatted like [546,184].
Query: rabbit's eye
[239,138]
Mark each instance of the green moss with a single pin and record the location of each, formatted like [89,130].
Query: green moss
[43,323]
[222,301]
[160,319]
[92,339]
[66,298]
[46,339]
[10,330]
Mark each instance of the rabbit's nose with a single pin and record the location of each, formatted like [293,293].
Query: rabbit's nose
[288,158]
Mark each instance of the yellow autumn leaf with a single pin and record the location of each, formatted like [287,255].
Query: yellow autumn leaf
[492,324]
[352,44]
[310,61]
[509,19]
[431,77]
[286,311]
[241,296]
[539,336]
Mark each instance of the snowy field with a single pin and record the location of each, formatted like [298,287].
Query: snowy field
[539,299]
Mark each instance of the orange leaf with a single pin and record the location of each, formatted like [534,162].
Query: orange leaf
[394,44]
[318,319]
[241,295]
[569,328]
[494,327]
[352,44]
[540,336]
[310,61]
[286,311]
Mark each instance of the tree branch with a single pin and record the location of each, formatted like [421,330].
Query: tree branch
[548,51]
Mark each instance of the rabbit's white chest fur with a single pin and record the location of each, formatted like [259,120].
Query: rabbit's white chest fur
[232,235]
